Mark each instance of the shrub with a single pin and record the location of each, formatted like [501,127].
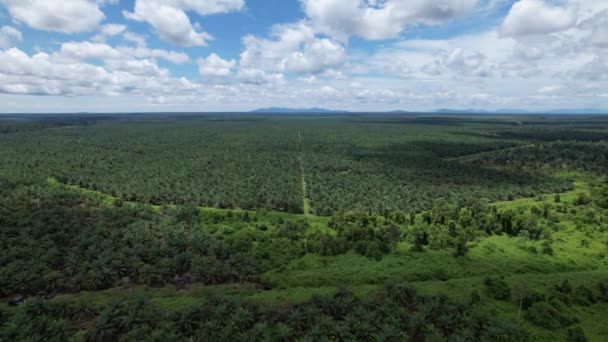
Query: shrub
[582,199]
[475,297]
[603,287]
[584,296]
[548,316]
[461,247]
[547,248]
[576,334]
[497,288]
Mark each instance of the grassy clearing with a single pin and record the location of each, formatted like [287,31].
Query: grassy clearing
[498,255]
[459,289]
[317,222]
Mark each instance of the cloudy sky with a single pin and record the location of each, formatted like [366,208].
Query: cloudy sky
[231,55]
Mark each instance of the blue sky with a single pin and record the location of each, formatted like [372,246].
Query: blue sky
[369,55]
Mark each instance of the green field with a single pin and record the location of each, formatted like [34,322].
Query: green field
[286,227]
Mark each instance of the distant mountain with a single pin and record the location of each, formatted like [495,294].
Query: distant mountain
[296,110]
[280,110]
[521,111]
[579,111]
[460,111]
[511,111]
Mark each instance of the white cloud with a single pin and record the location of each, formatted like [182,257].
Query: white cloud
[595,70]
[9,35]
[138,39]
[529,52]
[88,50]
[68,16]
[292,48]
[468,56]
[144,52]
[171,22]
[305,64]
[258,77]
[214,65]
[141,67]
[108,30]
[532,17]
[376,20]
[550,90]
[598,26]
[44,74]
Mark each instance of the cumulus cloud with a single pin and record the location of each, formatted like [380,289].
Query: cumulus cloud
[376,20]
[472,56]
[170,20]
[139,67]
[144,52]
[598,27]
[258,77]
[595,70]
[214,65]
[44,74]
[70,16]
[528,51]
[533,17]
[473,63]
[519,63]
[109,30]
[90,50]
[8,36]
[550,90]
[292,48]
[138,39]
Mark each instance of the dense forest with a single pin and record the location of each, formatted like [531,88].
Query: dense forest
[253,163]
[297,228]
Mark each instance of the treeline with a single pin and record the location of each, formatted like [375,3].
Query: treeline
[586,156]
[574,134]
[13,124]
[394,314]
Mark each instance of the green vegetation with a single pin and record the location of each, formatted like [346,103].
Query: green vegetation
[353,227]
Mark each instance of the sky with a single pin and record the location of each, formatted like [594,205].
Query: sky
[356,55]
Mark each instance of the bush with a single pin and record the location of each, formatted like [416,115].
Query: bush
[584,296]
[603,287]
[547,248]
[576,334]
[475,297]
[582,199]
[461,248]
[497,288]
[548,316]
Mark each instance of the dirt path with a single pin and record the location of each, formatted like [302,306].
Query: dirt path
[305,203]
